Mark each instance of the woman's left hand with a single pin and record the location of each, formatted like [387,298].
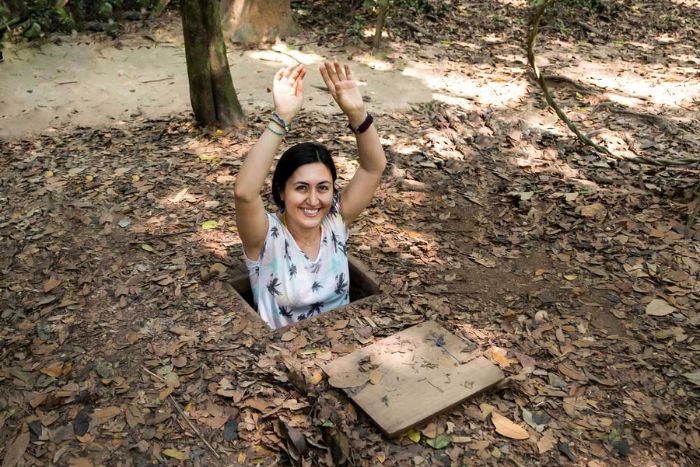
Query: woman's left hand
[345,91]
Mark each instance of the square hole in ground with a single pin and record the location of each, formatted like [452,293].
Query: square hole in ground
[363,285]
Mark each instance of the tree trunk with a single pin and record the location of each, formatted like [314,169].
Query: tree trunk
[212,94]
[381,15]
[255,21]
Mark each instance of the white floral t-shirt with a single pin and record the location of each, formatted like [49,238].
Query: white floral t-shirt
[288,286]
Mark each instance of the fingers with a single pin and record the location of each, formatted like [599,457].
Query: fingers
[299,83]
[292,72]
[339,72]
[325,74]
[335,72]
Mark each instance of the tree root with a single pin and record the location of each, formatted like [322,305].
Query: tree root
[542,81]
[653,119]
[582,88]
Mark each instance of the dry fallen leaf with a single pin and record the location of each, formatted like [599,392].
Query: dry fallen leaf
[508,428]
[546,442]
[348,380]
[659,307]
[499,356]
[288,336]
[51,284]
[54,369]
[375,376]
[103,415]
[16,451]
[316,378]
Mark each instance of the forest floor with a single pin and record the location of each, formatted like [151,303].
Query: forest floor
[576,274]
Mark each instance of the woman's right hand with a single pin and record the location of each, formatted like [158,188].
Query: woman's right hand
[288,91]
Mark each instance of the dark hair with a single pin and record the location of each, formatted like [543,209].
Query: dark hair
[295,157]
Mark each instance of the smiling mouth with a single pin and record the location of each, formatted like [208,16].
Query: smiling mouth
[310,212]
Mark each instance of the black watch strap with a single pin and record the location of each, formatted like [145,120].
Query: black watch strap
[363,126]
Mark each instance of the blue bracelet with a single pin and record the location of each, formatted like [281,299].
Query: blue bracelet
[280,121]
[275,131]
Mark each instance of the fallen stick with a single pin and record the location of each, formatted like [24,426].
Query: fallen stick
[187,419]
[156,80]
[183,414]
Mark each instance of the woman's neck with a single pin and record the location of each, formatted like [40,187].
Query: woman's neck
[305,237]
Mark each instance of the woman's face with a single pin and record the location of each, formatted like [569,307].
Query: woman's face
[308,196]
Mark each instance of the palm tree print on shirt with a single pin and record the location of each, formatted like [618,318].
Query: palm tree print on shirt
[314,268]
[272,285]
[341,286]
[286,250]
[274,232]
[292,270]
[316,286]
[315,308]
[284,311]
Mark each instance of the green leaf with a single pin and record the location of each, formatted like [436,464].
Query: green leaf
[328,424]
[536,421]
[175,454]
[414,435]
[209,225]
[441,442]
[147,247]
[103,369]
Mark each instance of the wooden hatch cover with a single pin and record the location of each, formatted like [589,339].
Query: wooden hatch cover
[405,379]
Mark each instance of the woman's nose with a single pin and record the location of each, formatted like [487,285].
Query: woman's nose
[313,197]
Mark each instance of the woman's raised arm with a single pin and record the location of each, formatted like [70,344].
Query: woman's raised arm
[288,97]
[345,91]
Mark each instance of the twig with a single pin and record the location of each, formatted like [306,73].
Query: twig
[560,113]
[67,82]
[590,28]
[183,414]
[153,374]
[171,234]
[157,80]
[187,419]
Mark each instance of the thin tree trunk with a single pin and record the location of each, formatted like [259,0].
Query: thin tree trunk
[212,94]
[381,15]
[228,109]
[198,71]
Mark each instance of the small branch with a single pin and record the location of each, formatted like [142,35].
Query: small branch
[157,80]
[187,419]
[541,80]
[183,414]
[590,28]
[153,374]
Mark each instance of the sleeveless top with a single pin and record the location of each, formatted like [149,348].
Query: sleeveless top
[287,286]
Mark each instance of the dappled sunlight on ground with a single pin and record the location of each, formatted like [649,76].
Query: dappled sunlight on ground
[485,91]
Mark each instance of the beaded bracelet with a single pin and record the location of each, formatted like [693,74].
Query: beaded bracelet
[280,121]
[269,127]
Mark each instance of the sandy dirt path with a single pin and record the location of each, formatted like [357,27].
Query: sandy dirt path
[96,84]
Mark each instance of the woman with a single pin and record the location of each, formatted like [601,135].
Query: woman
[296,258]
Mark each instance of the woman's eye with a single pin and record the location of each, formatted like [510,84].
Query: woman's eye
[301,188]
[323,188]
